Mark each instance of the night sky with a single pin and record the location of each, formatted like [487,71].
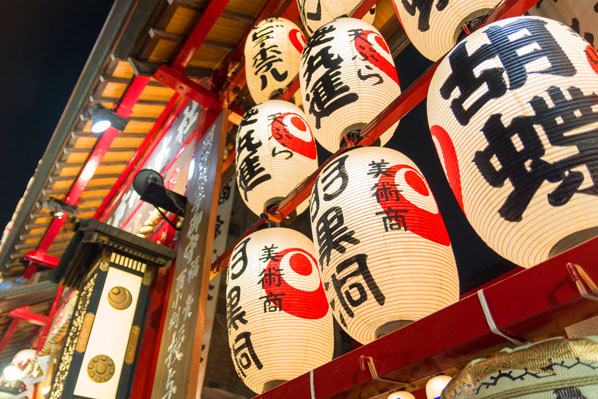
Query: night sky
[43,47]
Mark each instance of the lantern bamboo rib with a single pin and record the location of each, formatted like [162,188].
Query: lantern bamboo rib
[404,103]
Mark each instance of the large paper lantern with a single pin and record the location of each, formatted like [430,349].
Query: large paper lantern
[434,27]
[347,78]
[279,323]
[275,151]
[436,385]
[580,15]
[383,249]
[513,113]
[272,52]
[315,13]
[400,395]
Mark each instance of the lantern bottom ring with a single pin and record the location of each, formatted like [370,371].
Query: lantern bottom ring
[391,326]
[473,21]
[573,240]
[277,217]
[351,136]
[268,385]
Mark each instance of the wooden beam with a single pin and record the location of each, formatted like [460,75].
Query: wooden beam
[179,38]
[146,68]
[114,79]
[114,100]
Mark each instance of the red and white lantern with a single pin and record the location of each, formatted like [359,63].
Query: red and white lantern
[272,53]
[434,27]
[347,78]
[275,151]
[579,15]
[383,249]
[279,323]
[315,13]
[513,111]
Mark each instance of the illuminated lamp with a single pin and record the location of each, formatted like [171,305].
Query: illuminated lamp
[347,78]
[102,119]
[512,111]
[272,52]
[275,151]
[580,15]
[436,385]
[435,28]
[12,373]
[400,395]
[315,13]
[279,323]
[383,249]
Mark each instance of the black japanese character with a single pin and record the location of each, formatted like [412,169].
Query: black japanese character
[244,354]
[269,253]
[332,233]
[288,153]
[270,277]
[506,43]
[355,294]
[235,315]
[519,151]
[393,219]
[239,257]
[365,75]
[264,61]
[250,171]
[378,169]
[224,194]
[386,192]
[272,302]
[335,176]
[424,7]
[219,223]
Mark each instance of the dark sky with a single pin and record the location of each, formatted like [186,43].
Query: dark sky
[43,47]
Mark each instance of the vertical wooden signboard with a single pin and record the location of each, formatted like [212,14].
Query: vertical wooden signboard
[177,370]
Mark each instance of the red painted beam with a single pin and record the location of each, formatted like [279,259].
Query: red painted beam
[181,84]
[537,302]
[8,333]
[30,317]
[151,136]
[44,335]
[199,34]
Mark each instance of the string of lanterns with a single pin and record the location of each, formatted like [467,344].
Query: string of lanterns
[511,110]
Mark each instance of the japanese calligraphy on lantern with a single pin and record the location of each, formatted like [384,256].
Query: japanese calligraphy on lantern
[278,318]
[347,77]
[272,53]
[315,13]
[275,151]
[512,110]
[381,244]
[179,355]
[434,26]
[171,159]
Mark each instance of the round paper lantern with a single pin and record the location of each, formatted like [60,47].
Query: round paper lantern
[580,15]
[347,78]
[400,395]
[315,13]
[512,110]
[434,27]
[436,385]
[279,323]
[383,249]
[275,151]
[272,52]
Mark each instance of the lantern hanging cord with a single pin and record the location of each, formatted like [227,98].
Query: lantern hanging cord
[490,320]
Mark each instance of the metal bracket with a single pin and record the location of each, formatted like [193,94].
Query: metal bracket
[368,361]
[579,277]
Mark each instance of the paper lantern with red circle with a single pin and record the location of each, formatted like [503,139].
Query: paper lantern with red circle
[383,249]
[434,27]
[347,78]
[275,151]
[513,111]
[580,15]
[315,13]
[272,52]
[279,322]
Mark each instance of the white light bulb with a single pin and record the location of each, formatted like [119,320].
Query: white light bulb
[436,385]
[12,373]
[100,126]
[400,395]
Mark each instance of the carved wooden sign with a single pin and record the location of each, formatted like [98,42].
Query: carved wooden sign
[180,349]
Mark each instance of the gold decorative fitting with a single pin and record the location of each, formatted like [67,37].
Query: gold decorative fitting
[119,298]
[85,332]
[100,368]
[132,345]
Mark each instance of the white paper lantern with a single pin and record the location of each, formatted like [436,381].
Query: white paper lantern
[275,152]
[433,27]
[315,13]
[580,15]
[384,252]
[272,53]
[513,113]
[279,322]
[400,395]
[436,385]
[347,78]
